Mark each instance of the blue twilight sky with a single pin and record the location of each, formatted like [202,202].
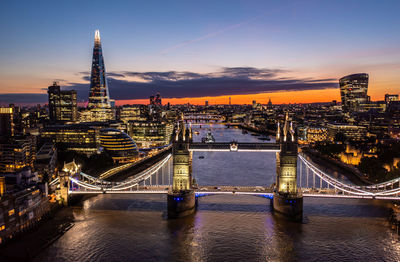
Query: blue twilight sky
[322,40]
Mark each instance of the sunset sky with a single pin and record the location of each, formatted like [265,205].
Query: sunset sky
[192,51]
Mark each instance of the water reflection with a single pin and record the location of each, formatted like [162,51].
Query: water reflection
[226,227]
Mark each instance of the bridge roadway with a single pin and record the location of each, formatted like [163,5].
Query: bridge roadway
[241,147]
[236,190]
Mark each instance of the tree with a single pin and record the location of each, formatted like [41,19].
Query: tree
[340,137]
[372,166]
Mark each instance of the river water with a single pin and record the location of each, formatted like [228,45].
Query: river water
[228,227]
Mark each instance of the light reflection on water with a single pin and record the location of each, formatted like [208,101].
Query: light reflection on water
[229,227]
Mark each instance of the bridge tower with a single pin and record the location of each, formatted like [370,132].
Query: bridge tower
[287,199]
[181,199]
[68,170]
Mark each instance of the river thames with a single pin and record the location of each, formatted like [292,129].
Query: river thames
[226,227]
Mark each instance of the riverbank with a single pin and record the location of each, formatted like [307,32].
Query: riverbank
[394,218]
[324,163]
[257,130]
[30,244]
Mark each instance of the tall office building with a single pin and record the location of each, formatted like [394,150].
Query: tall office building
[353,90]
[156,100]
[62,104]
[99,100]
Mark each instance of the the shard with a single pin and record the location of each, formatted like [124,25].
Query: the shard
[99,100]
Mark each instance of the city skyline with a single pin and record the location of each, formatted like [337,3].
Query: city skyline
[242,53]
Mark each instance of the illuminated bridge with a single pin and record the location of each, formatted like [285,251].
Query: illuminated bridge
[157,180]
[203,118]
[293,181]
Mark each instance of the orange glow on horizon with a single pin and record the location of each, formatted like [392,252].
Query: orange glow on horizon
[292,97]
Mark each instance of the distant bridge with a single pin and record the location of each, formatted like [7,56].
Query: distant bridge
[233,146]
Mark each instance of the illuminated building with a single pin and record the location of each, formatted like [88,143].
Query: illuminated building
[353,91]
[86,116]
[312,134]
[17,152]
[99,100]
[390,98]
[79,137]
[150,134]
[130,113]
[118,145]
[351,132]
[22,210]
[378,106]
[6,121]
[62,104]
[2,186]
[206,103]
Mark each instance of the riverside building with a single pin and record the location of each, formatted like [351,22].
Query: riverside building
[118,145]
[80,138]
[352,132]
[150,134]
[17,152]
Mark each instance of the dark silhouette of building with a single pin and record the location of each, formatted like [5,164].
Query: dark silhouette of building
[156,100]
[269,105]
[6,121]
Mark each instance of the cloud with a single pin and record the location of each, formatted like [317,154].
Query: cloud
[227,81]
[128,85]
[115,75]
[6,99]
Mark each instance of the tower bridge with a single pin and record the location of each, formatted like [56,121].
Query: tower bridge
[182,192]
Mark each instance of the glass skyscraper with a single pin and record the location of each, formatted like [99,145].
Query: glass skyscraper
[353,90]
[99,100]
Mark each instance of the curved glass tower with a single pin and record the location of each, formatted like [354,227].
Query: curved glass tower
[353,90]
[118,145]
[99,100]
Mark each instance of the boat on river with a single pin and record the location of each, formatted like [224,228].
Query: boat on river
[208,138]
